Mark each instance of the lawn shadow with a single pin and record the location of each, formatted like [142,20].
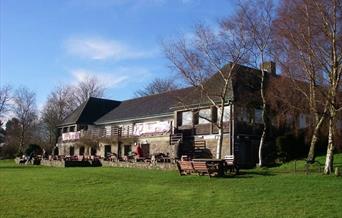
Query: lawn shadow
[20,166]
[248,174]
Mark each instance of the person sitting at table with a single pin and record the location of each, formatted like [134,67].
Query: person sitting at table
[138,151]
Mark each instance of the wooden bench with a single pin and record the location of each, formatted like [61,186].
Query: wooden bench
[185,167]
[202,167]
[231,163]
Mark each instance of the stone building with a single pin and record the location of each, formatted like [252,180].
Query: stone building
[175,123]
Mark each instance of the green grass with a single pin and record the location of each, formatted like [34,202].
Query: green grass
[35,191]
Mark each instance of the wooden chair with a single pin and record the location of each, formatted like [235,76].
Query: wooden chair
[185,167]
[231,163]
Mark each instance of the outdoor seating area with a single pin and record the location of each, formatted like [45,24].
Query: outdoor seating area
[210,167]
[111,159]
[135,157]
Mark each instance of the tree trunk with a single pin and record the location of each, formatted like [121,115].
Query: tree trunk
[220,131]
[330,149]
[262,141]
[329,159]
[219,143]
[314,139]
[264,117]
[21,143]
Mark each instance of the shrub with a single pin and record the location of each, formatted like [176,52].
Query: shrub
[290,146]
[33,149]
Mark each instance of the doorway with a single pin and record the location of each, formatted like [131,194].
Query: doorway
[107,150]
[82,150]
[127,150]
[72,151]
[146,150]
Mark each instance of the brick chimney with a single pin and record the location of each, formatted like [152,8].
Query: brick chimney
[269,66]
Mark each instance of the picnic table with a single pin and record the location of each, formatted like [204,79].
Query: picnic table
[217,165]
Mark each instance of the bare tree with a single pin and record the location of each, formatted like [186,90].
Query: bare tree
[89,87]
[207,53]
[331,27]
[258,26]
[12,138]
[59,104]
[157,86]
[5,96]
[24,109]
[311,37]
[297,36]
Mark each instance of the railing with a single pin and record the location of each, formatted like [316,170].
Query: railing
[102,132]
[176,138]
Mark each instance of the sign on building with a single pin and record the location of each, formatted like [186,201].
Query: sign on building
[71,136]
[159,127]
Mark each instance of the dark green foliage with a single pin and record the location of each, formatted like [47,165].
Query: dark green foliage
[290,147]
[33,149]
[269,153]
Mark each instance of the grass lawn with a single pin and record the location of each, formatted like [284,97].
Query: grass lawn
[35,191]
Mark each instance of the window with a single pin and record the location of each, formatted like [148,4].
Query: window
[204,116]
[65,129]
[303,121]
[258,116]
[242,115]
[187,118]
[108,130]
[72,128]
[226,114]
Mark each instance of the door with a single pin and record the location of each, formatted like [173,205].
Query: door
[127,149]
[72,151]
[82,150]
[93,151]
[107,150]
[145,150]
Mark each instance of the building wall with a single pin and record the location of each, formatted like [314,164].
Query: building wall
[211,144]
[158,144]
[100,151]
[64,149]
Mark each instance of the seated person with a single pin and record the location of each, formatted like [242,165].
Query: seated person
[138,151]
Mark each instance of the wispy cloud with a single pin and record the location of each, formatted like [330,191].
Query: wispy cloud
[118,77]
[106,79]
[101,49]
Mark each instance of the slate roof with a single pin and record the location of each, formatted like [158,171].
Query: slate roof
[244,86]
[147,106]
[89,111]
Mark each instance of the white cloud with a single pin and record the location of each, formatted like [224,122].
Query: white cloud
[118,77]
[106,79]
[101,49]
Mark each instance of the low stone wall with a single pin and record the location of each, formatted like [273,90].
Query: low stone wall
[157,166]
[52,163]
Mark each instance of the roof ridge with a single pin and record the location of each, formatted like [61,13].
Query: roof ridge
[80,107]
[147,96]
[104,99]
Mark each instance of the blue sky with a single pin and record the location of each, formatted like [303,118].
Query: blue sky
[46,43]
